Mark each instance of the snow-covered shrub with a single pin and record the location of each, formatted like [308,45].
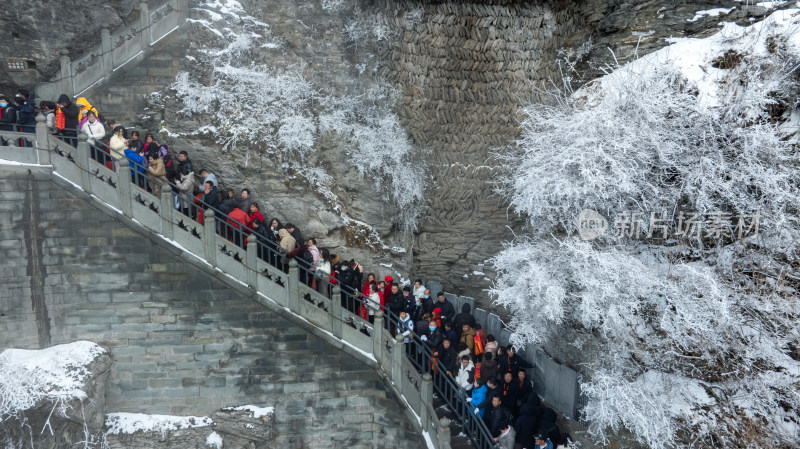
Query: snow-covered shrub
[686,341]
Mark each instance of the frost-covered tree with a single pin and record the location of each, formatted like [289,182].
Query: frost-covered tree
[687,340]
[251,106]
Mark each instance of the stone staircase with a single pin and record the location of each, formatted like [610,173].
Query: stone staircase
[242,271]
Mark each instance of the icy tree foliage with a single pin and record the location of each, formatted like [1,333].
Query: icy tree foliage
[252,107]
[687,340]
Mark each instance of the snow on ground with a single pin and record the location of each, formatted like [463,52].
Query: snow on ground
[214,440]
[56,373]
[710,13]
[694,57]
[128,423]
[255,411]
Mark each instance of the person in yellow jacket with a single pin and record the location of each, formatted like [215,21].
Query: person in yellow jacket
[85,107]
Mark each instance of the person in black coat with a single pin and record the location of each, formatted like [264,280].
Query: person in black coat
[8,114]
[522,389]
[509,395]
[448,311]
[397,302]
[497,417]
[229,204]
[210,195]
[411,302]
[298,237]
[465,317]
[448,357]
[433,336]
[26,118]
[71,117]
[510,362]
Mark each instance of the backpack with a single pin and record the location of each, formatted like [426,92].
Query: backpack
[308,257]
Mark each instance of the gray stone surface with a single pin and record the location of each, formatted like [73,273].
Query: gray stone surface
[181,341]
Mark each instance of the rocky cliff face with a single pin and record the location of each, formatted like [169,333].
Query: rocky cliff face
[38,31]
[461,68]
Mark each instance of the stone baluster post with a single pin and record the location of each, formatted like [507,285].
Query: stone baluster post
[444,433]
[124,187]
[336,312]
[398,352]
[144,25]
[66,74]
[105,48]
[83,162]
[252,262]
[377,331]
[42,140]
[210,237]
[294,288]
[167,211]
[426,393]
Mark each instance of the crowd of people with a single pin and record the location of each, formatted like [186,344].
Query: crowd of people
[492,377]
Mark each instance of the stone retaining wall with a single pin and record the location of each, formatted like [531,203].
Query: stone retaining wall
[181,341]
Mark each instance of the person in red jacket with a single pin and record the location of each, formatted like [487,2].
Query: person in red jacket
[255,213]
[235,218]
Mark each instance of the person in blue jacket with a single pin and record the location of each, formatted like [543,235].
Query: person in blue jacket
[136,162]
[478,396]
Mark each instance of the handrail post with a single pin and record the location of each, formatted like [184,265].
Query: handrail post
[426,393]
[377,329]
[105,45]
[210,236]
[42,142]
[252,262]
[66,74]
[294,288]
[167,208]
[398,352]
[83,162]
[124,186]
[444,433]
[144,25]
[336,312]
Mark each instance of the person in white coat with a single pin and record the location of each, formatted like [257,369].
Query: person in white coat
[465,377]
[93,128]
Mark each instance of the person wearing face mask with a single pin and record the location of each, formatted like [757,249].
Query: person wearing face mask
[424,305]
[433,336]
[8,114]
[26,118]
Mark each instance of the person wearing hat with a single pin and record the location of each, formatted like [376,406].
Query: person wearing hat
[71,115]
[542,442]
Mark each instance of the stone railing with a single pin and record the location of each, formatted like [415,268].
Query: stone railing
[123,48]
[409,368]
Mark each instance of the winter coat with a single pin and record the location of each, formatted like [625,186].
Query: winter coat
[465,317]
[95,131]
[492,347]
[71,113]
[521,390]
[469,339]
[448,311]
[507,440]
[548,445]
[508,364]
[345,276]
[236,217]
[388,289]
[230,204]
[526,425]
[186,183]
[298,237]
[325,267]
[315,256]
[156,172]
[447,358]
[451,335]
[490,393]
[397,303]
[374,304]
[411,305]
[118,147]
[421,326]
[433,338]
[211,198]
[213,178]
[256,215]
[184,168]
[418,292]
[139,146]
[50,120]
[509,397]
[134,161]
[488,369]
[466,376]
[478,396]
[243,204]
[494,419]
[26,118]
[406,329]
[8,118]
[288,242]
